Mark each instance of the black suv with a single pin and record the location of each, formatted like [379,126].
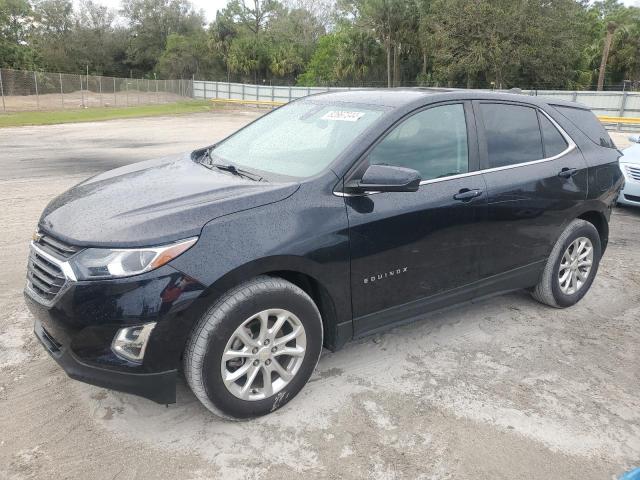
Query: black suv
[333,217]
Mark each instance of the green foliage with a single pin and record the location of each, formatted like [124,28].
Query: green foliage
[151,22]
[15,27]
[348,57]
[184,56]
[479,43]
[504,43]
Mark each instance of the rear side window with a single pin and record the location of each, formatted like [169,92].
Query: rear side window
[512,134]
[554,142]
[588,124]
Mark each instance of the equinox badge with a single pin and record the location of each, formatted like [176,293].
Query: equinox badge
[382,276]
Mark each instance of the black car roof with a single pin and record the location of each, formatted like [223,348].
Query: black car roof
[404,97]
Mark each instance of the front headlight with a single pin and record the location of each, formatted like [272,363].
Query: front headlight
[96,263]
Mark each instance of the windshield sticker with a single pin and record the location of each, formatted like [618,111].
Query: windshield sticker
[343,116]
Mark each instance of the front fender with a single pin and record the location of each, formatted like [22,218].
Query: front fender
[306,233]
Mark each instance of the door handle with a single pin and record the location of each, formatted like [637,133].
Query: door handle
[466,194]
[567,172]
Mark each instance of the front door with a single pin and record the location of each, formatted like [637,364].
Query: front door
[407,247]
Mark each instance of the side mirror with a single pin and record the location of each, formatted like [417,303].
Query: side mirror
[634,138]
[387,178]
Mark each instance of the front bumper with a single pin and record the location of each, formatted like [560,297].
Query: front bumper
[159,387]
[78,327]
[630,194]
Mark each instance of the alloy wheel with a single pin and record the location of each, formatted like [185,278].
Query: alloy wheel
[575,265]
[263,355]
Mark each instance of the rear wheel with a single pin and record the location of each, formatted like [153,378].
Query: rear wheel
[571,267]
[255,349]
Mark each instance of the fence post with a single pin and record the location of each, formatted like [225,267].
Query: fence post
[243,91]
[204,86]
[216,89]
[126,92]
[61,91]
[115,97]
[100,89]
[166,96]
[289,92]
[138,89]
[623,103]
[157,96]
[4,107]
[81,92]
[229,89]
[575,96]
[35,81]
[272,94]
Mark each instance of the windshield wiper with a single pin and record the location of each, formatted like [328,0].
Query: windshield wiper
[207,159]
[237,171]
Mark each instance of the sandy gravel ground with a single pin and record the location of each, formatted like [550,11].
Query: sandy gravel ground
[500,389]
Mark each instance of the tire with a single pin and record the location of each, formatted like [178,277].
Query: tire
[219,330]
[549,289]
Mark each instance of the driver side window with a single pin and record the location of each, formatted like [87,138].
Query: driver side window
[433,142]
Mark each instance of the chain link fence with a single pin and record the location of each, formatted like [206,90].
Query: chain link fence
[24,90]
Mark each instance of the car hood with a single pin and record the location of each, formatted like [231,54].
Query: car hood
[153,202]
[631,154]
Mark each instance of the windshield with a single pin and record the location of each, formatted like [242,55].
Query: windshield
[298,140]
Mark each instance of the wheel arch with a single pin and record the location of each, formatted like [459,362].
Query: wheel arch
[319,294]
[598,220]
[331,298]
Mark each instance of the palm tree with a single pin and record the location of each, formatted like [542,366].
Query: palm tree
[611,29]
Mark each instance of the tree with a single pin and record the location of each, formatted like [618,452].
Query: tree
[470,43]
[624,59]
[222,32]
[611,29]
[16,50]
[525,43]
[616,29]
[150,24]
[253,14]
[346,57]
[247,56]
[53,29]
[389,21]
[96,43]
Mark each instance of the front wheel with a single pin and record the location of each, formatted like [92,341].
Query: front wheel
[571,267]
[255,349]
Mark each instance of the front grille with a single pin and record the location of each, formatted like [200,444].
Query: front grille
[55,247]
[43,276]
[634,172]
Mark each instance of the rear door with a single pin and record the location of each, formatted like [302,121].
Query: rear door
[536,178]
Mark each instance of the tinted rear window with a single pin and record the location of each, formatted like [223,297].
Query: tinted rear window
[588,124]
[513,134]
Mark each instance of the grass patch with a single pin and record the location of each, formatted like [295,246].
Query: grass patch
[105,113]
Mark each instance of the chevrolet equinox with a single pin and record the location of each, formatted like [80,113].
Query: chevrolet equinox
[330,218]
